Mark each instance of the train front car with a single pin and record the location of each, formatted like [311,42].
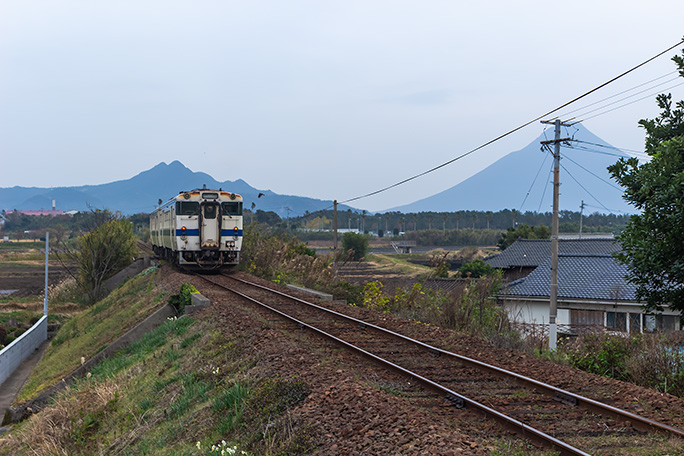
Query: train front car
[200,229]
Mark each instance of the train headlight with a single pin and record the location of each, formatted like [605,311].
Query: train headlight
[235,231]
[183,235]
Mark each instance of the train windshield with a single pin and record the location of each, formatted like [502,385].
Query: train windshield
[210,211]
[187,208]
[232,208]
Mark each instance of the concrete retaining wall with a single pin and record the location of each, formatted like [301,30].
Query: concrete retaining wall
[133,269]
[20,349]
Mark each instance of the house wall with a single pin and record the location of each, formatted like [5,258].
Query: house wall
[534,313]
[537,312]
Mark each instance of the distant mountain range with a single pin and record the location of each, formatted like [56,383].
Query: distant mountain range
[505,183]
[141,193]
[519,180]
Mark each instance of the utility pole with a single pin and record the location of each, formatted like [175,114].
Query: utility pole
[47,253]
[581,210]
[335,238]
[553,295]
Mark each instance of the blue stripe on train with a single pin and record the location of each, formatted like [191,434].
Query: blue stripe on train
[187,232]
[196,232]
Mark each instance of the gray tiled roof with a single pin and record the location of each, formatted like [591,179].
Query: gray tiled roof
[579,276]
[533,252]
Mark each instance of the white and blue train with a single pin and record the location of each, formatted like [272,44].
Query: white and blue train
[199,229]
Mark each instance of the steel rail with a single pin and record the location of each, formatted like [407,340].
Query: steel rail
[558,394]
[455,398]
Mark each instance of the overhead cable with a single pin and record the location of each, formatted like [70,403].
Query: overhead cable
[625,91]
[593,174]
[626,104]
[534,180]
[583,187]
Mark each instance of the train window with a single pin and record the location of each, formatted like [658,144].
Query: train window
[212,195]
[187,208]
[232,208]
[210,211]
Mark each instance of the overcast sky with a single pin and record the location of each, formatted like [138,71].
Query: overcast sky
[323,99]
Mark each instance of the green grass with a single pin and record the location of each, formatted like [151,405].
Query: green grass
[181,383]
[85,334]
[21,246]
[21,316]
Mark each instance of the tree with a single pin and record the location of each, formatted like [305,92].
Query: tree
[267,217]
[356,243]
[475,269]
[652,247]
[103,252]
[523,232]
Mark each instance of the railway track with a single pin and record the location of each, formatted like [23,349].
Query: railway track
[541,413]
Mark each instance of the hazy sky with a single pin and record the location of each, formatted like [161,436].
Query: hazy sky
[315,98]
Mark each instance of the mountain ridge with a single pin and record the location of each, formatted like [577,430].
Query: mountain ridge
[140,193]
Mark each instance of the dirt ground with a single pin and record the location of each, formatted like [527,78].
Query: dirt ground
[29,280]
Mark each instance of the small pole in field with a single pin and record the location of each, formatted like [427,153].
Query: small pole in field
[47,250]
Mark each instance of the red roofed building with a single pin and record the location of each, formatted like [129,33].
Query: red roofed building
[51,213]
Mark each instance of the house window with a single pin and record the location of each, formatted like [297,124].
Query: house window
[634,323]
[653,323]
[616,321]
[666,322]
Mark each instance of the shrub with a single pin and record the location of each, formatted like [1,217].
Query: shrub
[357,243]
[650,360]
[184,298]
[601,354]
[524,232]
[3,335]
[475,269]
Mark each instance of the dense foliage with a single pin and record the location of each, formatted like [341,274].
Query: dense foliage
[523,232]
[184,298]
[650,360]
[356,244]
[475,269]
[393,223]
[652,241]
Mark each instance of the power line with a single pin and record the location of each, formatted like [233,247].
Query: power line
[513,130]
[627,104]
[593,174]
[583,188]
[534,180]
[625,91]
[608,146]
[638,155]
[649,89]
[546,186]
[570,146]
